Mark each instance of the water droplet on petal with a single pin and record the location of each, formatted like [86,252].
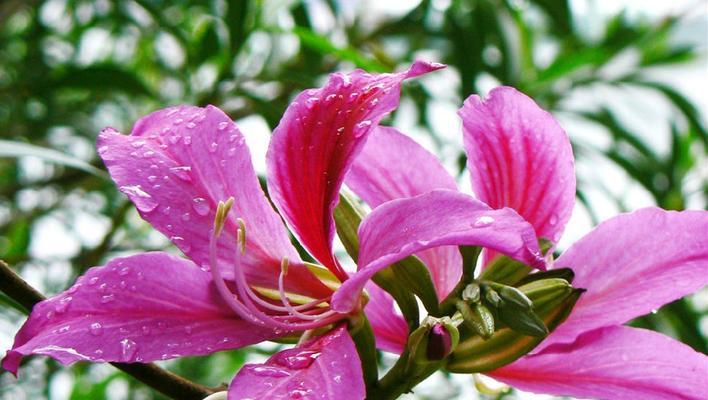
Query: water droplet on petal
[143,201]
[107,298]
[483,221]
[553,220]
[200,206]
[213,147]
[96,329]
[63,304]
[267,371]
[185,217]
[296,358]
[128,348]
[124,271]
[222,125]
[182,172]
[191,125]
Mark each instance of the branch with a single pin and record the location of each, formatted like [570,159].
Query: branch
[157,378]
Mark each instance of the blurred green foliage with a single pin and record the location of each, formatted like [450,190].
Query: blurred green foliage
[69,68]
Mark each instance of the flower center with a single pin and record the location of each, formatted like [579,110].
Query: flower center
[248,304]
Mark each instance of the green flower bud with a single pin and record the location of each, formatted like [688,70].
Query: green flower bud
[512,295]
[477,318]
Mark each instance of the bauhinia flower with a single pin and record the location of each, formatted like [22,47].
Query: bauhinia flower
[189,174]
[519,157]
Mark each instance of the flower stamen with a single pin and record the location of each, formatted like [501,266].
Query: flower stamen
[246,302]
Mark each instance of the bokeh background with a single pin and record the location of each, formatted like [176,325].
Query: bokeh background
[627,79]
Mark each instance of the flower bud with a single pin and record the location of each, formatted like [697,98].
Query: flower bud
[434,340]
[477,318]
[442,339]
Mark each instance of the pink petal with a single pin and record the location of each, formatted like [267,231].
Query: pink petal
[390,328]
[520,157]
[632,264]
[176,166]
[141,308]
[313,146]
[403,227]
[393,166]
[327,367]
[613,363]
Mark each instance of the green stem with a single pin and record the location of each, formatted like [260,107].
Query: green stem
[402,377]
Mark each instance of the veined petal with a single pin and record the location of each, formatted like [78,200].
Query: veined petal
[393,166]
[176,166]
[141,308]
[327,367]
[313,146]
[403,227]
[632,264]
[390,329]
[519,157]
[613,363]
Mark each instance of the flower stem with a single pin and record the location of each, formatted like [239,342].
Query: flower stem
[402,377]
[161,380]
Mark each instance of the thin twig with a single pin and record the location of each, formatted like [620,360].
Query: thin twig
[161,380]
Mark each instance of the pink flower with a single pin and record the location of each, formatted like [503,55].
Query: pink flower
[189,174]
[519,157]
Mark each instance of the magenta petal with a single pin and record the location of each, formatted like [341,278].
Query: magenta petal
[327,368]
[313,146]
[613,363]
[632,264]
[403,227]
[390,328]
[520,157]
[393,166]
[176,166]
[142,308]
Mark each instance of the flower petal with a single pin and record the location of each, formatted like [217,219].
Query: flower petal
[613,363]
[519,157]
[327,367]
[402,227]
[176,166]
[632,264]
[390,328]
[313,146]
[141,308]
[393,166]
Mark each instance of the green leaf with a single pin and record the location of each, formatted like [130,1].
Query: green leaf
[19,149]
[324,46]
[101,78]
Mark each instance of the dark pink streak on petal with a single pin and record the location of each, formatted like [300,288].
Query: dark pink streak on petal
[327,367]
[393,166]
[519,157]
[176,166]
[141,308]
[403,227]
[632,264]
[613,363]
[390,328]
[316,141]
